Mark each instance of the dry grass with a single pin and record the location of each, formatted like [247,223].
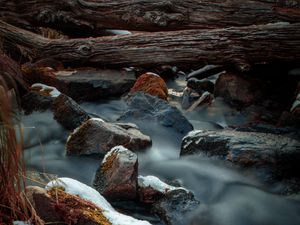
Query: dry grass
[14,205]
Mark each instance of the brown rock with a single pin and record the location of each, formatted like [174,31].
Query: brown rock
[97,137]
[152,84]
[116,178]
[237,90]
[58,207]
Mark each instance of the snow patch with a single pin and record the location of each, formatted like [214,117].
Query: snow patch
[157,184]
[21,223]
[75,187]
[117,149]
[53,93]
[97,119]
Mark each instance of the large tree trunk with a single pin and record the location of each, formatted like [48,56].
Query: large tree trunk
[150,15]
[241,46]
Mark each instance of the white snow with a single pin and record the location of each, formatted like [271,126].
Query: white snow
[54,92]
[156,184]
[116,149]
[119,32]
[97,119]
[75,187]
[154,74]
[193,133]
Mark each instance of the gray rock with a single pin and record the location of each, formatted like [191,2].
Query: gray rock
[278,154]
[206,71]
[93,84]
[147,108]
[33,101]
[97,137]
[116,178]
[175,207]
[201,85]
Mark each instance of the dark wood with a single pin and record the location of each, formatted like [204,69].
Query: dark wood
[150,15]
[240,46]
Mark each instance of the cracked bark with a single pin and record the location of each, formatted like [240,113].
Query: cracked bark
[241,46]
[153,15]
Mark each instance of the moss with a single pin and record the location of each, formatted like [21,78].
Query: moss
[151,84]
[73,208]
[109,161]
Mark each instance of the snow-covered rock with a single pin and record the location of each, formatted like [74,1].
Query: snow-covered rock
[47,90]
[75,187]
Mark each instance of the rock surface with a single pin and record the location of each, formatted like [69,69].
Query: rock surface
[81,83]
[237,90]
[277,153]
[175,206]
[151,84]
[68,113]
[98,137]
[116,178]
[144,107]
[201,85]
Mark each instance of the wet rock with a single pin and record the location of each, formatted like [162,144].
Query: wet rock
[238,90]
[147,108]
[151,189]
[175,206]
[206,71]
[34,101]
[116,178]
[97,137]
[68,113]
[288,119]
[201,86]
[151,84]
[276,153]
[93,84]
[82,83]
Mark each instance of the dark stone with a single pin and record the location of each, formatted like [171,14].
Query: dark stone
[237,90]
[275,153]
[93,84]
[34,101]
[147,108]
[201,86]
[116,178]
[68,113]
[175,206]
[98,137]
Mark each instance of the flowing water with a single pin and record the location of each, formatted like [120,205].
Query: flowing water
[228,196]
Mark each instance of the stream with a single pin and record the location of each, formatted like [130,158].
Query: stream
[228,195]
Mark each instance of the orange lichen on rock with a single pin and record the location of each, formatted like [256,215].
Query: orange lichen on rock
[75,210]
[152,84]
[109,161]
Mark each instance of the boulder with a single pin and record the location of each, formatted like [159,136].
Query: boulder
[116,178]
[150,109]
[237,90]
[92,203]
[98,137]
[206,71]
[151,84]
[175,206]
[277,154]
[80,83]
[68,113]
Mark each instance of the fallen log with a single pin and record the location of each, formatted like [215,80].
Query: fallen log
[150,15]
[242,46]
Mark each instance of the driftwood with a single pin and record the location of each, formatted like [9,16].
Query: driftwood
[150,15]
[240,46]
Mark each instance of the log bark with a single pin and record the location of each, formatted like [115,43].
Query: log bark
[240,46]
[150,15]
